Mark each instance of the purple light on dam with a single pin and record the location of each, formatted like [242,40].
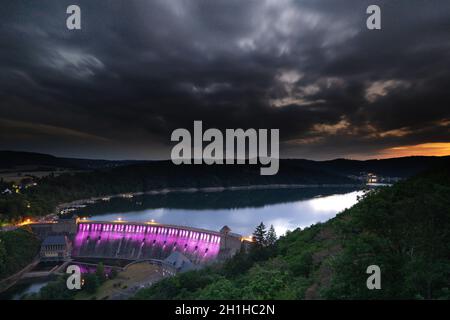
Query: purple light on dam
[131,241]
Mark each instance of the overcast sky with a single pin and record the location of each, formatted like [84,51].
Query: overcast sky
[139,69]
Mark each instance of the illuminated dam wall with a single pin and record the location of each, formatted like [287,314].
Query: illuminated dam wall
[136,241]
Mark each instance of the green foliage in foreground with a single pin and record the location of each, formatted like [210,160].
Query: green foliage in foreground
[57,289]
[404,229]
[54,290]
[17,250]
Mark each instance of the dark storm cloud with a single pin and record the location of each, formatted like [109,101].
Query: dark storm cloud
[139,69]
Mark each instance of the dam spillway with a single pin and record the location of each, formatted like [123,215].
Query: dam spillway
[136,241]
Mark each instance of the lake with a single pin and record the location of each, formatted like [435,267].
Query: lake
[241,210]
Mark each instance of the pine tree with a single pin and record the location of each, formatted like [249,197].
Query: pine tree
[271,237]
[259,235]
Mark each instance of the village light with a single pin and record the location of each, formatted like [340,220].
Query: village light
[248,238]
[25,222]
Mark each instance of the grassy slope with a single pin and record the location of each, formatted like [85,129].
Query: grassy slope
[404,229]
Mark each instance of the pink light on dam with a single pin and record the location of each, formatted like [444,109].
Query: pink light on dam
[128,241]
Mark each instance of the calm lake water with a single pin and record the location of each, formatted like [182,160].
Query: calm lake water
[241,210]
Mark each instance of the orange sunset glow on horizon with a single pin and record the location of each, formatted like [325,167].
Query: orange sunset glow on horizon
[424,149]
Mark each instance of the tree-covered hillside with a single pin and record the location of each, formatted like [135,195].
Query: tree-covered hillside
[17,249]
[404,229]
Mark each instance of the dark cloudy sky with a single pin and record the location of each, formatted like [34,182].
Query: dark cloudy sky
[140,68]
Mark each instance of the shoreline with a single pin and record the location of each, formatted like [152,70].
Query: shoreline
[86,201]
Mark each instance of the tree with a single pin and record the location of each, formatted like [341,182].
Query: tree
[268,280]
[260,235]
[91,283]
[3,259]
[238,264]
[17,249]
[271,237]
[100,272]
[113,273]
[219,290]
[55,290]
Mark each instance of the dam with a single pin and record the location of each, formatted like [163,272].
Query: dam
[136,241]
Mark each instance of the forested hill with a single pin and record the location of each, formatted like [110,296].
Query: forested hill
[11,160]
[395,167]
[403,229]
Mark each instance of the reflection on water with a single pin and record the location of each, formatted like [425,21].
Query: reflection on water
[32,288]
[25,287]
[240,210]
